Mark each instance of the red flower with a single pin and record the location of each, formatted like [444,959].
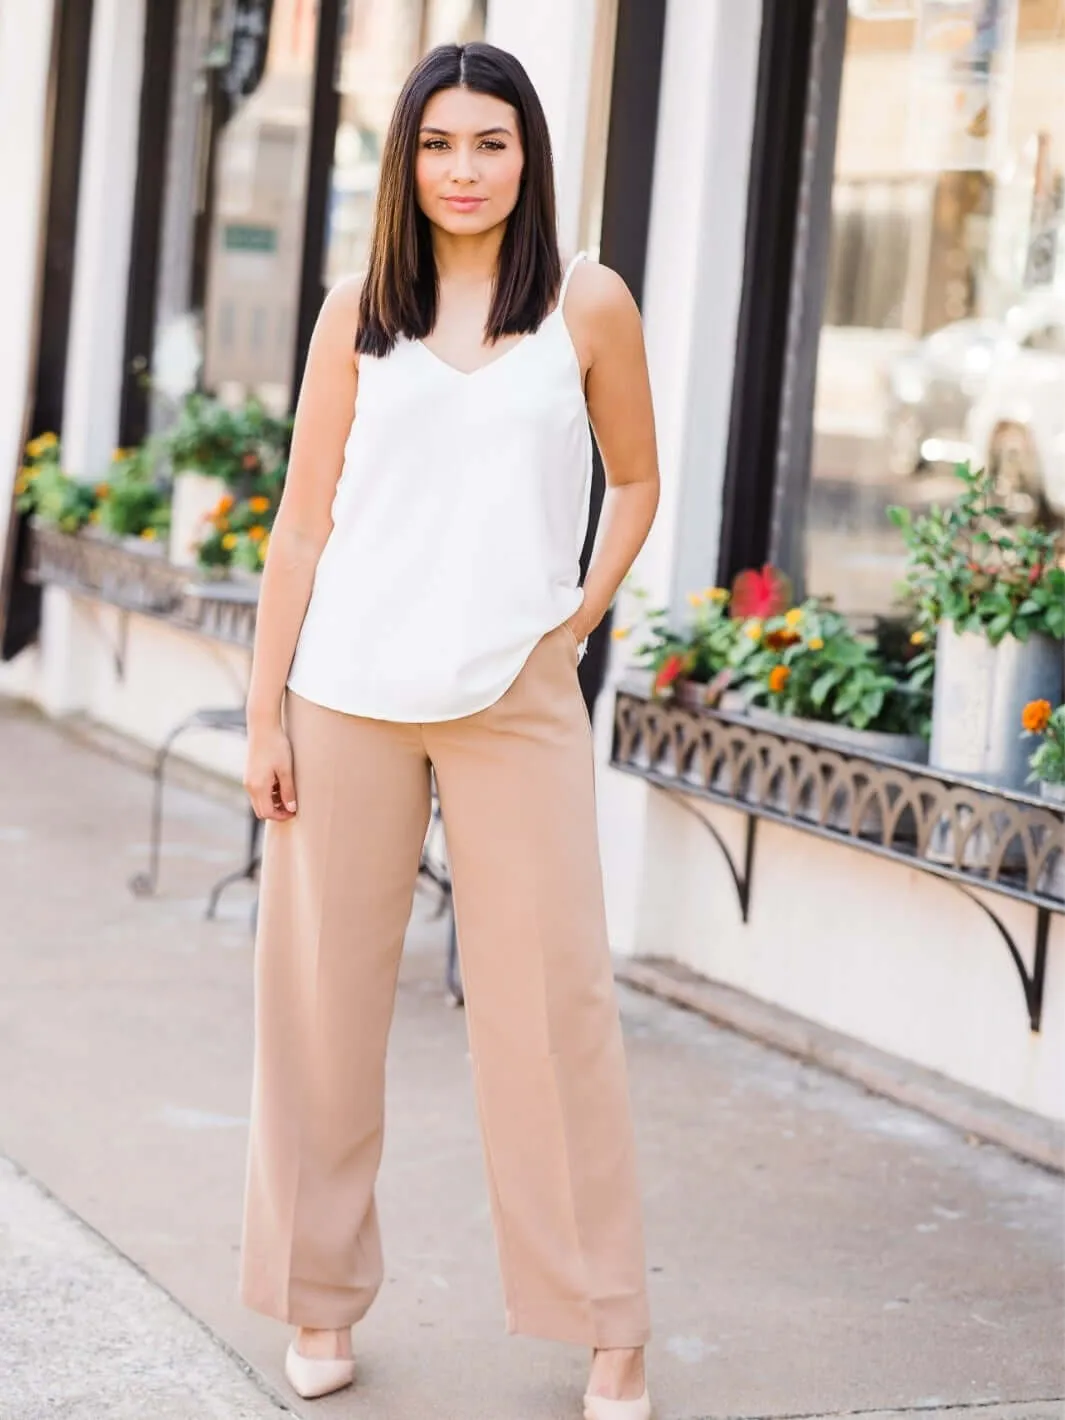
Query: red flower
[1035,574]
[760,594]
[250,460]
[668,672]
[781,640]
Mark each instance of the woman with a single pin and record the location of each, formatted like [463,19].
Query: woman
[423,613]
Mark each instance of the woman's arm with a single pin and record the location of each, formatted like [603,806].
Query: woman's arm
[323,421]
[609,339]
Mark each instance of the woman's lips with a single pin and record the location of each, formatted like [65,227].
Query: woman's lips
[464,204]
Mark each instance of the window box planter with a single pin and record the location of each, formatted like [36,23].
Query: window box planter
[980,692]
[821,789]
[127,572]
[142,579]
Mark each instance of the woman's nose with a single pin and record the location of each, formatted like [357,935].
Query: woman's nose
[463,168]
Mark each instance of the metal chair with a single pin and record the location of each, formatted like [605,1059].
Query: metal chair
[433,865]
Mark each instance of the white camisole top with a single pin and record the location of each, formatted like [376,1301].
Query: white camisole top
[458,523]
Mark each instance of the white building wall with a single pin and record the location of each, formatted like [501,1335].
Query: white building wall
[25,61]
[105,224]
[554,40]
[691,305]
[885,954]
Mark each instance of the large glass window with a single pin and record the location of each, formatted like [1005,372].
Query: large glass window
[943,333]
[232,237]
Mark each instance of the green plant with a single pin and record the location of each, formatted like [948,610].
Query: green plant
[246,447]
[1048,762]
[968,567]
[810,663]
[130,502]
[45,491]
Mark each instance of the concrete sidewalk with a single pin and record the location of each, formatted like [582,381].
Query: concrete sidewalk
[86,1334]
[814,1250]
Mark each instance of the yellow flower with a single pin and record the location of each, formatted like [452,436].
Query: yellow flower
[94,516]
[120,456]
[21,484]
[918,638]
[816,644]
[794,617]
[36,447]
[619,633]
[695,598]
[257,533]
[716,594]
[753,630]
[149,534]
[229,542]
[29,473]
[259,504]
[263,546]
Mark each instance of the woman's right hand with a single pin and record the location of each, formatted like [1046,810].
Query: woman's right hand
[268,773]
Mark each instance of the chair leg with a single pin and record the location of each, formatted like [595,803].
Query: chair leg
[145,884]
[247,873]
[454,976]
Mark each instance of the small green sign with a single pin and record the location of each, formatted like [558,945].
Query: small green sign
[258,239]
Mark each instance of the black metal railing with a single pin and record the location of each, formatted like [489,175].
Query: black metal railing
[975,836]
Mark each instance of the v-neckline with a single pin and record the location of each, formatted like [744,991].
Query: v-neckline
[490,364]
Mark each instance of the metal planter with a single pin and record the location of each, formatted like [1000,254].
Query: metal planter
[980,692]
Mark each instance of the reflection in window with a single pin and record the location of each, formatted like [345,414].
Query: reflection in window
[943,318]
[255,243]
[383,40]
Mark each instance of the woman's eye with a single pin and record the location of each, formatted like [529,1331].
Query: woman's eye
[493,145]
[435,145]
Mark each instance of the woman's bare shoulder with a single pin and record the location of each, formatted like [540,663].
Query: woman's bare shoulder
[338,320]
[600,310]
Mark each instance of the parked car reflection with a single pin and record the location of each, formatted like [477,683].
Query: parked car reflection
[931,389]
[1017,425]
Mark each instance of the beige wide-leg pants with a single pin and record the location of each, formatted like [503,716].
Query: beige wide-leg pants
[518,798]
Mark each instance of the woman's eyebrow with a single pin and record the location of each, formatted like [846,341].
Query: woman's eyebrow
[484,133]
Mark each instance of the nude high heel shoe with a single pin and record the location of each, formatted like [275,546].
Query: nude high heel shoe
[312,1376]
[598,1407]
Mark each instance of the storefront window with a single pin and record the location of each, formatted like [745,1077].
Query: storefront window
[382,41]
[232,232]
[943,335]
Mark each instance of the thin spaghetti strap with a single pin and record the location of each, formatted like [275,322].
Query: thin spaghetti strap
[566,276]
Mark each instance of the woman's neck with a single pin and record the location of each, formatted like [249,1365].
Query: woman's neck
[467,261]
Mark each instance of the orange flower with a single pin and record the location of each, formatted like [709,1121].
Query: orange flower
[224,505]
[102,490]
[1036,716]
[259,504]
[257,533]
[619,633]
[778,679]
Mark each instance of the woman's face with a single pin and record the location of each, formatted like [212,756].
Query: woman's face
[470,160]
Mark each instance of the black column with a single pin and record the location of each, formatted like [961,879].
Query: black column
[19,601]
[772,208]
[152,152]
[325,113]
[630,162]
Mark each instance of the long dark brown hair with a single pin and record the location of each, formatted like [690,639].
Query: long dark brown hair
[399,294]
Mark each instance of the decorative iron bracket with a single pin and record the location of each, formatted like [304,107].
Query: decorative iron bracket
[980,839]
